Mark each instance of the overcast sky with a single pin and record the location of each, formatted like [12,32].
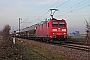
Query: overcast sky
[73,11]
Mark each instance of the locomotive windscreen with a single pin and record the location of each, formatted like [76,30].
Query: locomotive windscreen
[54,23]
[58,24]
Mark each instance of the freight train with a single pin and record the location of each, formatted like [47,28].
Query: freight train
[49,30]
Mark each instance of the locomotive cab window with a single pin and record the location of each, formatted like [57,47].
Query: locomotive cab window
[54,23]
[61,23]
[58,23]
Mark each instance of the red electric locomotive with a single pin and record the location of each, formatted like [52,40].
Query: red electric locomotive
[52,30]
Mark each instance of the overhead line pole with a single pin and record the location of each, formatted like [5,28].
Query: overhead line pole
[19,24]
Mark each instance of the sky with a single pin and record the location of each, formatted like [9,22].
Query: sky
[75,12]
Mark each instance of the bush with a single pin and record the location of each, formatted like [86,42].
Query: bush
[5,32]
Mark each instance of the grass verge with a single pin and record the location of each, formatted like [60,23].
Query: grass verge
[37,53]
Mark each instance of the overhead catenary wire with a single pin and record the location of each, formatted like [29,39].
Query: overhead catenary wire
[73,7]
[50,7]
[63,3]
[80,4]
[40,8]
[23,21]
[53,5]
[43,6]
[47,9]
[76,7]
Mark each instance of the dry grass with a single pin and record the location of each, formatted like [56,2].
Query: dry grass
[47,53]
[9,51]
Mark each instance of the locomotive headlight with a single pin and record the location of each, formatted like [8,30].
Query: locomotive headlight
[64,30]
[64,33]
[53,33]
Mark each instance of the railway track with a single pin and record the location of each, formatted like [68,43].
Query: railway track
[72,45]
[78,47]
[75,45]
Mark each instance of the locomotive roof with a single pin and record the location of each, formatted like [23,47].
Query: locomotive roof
[43,22]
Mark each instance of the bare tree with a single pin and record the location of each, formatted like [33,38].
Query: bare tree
[88,31]
[0,33]
[5,32]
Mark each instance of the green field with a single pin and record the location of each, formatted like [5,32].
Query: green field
[35,52]
[81,39]
[77,36]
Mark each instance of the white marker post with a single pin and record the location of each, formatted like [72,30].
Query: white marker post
[14,37]
[13,40]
